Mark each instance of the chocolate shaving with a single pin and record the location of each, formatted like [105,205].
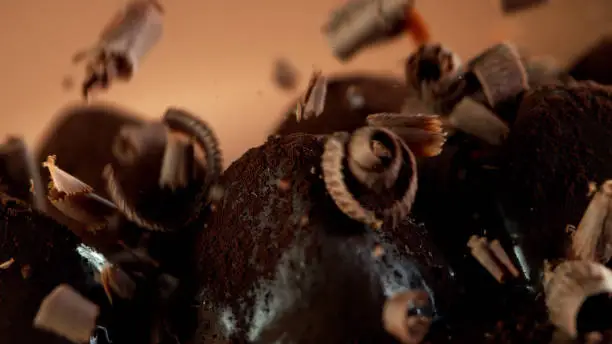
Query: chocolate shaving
[313,100]
[285,74]
[423,134]
[67,313]
[76,199]
[7,264]
[135,140]
[481,251]
[593,238]
[116,281]
[568,286]
[501,73]
[477,120]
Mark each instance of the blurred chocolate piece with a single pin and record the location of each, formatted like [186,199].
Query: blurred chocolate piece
[68,314]
[594,64]
[513,6]
[123,43]
[285,74]
[361,23]
[20,174]
[406,316]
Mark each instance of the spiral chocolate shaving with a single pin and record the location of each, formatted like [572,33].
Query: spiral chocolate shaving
[375,157]
[184,122]
[117,196]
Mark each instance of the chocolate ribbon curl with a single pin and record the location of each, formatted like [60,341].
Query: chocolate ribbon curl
[375,157]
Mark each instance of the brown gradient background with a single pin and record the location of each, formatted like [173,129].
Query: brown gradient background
[216,55]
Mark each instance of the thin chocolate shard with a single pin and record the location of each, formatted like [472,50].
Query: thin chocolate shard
[567,288]
[593,238]
[177,165]
[480,250]
[313,103]
[477,120]
[76,199]
[134,141]
[405,316]
[7,264]
[501,73]
[68,314]
[362,23]
[422,133]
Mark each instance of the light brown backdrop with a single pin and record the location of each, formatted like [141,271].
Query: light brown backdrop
[216,55]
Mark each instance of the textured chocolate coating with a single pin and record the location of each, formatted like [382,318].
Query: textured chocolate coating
[560,142]
[278,258]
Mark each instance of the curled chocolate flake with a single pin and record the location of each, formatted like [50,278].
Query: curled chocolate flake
[331,164]
[123,43]
[375,157]
[76,199]
[567,289]
[67,313]
[423,134]
[500,72]
[407,316]
[593,238]
[116,194]
[135,140]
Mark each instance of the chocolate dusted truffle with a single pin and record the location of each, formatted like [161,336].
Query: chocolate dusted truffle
[277,258]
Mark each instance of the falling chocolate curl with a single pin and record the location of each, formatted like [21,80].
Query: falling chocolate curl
[568,286]
[593,238]
[475,119]
[122,45]
[480,250]
[285,75]
[76,199]
[361,23]
[375,157]
[501,73]
[68,314]
[402,316]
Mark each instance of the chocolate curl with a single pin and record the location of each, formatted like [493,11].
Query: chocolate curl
[123,43]
[177,165]
[501,73]
[68,314]
[593,238]
[76,199]
[568,286]
[405,316]
[361,23]
[501,255]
